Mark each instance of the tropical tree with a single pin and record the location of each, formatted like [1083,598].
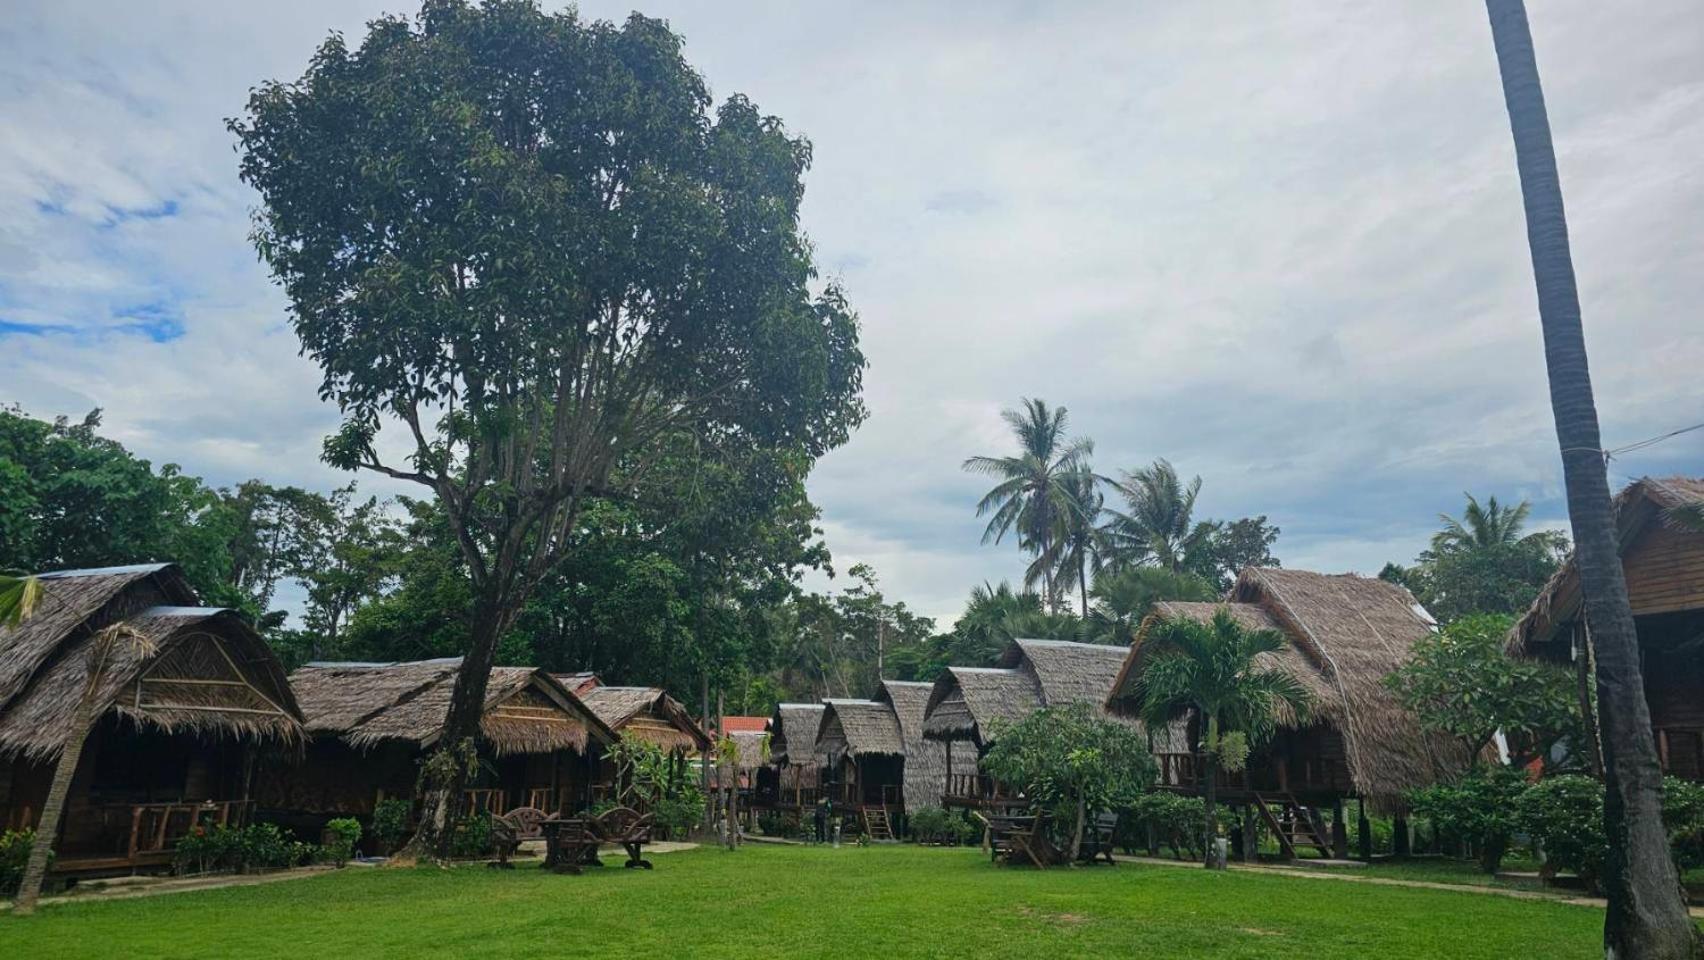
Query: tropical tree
[1158,524]
[104,647]
[1077,542]
[1123,598]
[1647,916]
[525,241]
[1213,670]
[1490,525]
[1235,546]
[1032,492]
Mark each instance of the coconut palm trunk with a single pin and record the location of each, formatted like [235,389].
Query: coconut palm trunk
[1210,770]
[1646,917]
[83,721]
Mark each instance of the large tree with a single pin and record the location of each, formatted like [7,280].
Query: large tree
[1647,917]
[1032,491]
[527,241]
[1158,524]
[1484,562]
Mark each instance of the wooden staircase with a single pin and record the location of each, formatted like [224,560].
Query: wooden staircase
[1293,824]
[877,824]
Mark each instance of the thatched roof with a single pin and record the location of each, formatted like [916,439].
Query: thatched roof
[1639,508]
[526,709]
[1067,672]
[185,668]
[646,713]
[925,771]
[1346,634]
[971,703]
[754,748]
[579,682]
[859,728]
[793,730]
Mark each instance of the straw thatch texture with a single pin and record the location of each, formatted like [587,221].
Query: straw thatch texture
[793,733]
[183,669]
[1638,507]
[925,772]
[859,728]
[646,713]
[1346,633]
[579,683]
[753,747]
[972,703]
[526,710]
[1068,672]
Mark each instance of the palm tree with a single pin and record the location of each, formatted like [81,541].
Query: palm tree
[1646,916]
[1159,527]
[1125,597]
[104,647]
[980,633]
[1077,541]
[1030,495]
[1214,670]
[19,595]
[1486,526]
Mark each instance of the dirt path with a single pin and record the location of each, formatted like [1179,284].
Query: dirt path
[1349,877]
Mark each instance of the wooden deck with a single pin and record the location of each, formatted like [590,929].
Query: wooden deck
[121,837]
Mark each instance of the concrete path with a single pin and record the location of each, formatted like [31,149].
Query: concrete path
[130,888]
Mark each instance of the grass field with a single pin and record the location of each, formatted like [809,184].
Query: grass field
[760,902]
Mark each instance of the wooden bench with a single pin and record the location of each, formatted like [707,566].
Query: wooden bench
[629,828]
[1018,838]
[569,844]
[1098,836]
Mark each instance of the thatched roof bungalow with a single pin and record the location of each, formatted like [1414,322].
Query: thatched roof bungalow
[793,754]
[645,713]
[928,762]
[971,703]
[1663,562]
[1346,633]
[865,751]
[372,722]
[188,695]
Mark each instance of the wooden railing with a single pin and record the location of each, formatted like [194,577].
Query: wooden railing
[1681,751]
[486,800]
[976,788]
[1182,771]
[138,833]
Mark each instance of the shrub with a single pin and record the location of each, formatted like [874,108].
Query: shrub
[341,836]
[1683,814]
[1564,815]
[1164,818]
[471,838]
[261,846]
[945,827]
[1480,807]
[390,822]
[204,849]
[14,856]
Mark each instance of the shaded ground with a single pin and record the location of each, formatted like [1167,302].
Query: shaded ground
[888,902]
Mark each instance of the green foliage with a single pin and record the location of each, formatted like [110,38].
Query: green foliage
[1164,819]
[1683,814]
[1484,562]
[1158,526]
[470,838]
[341,835]
[258,846]
[942,827]
[390,821]
[1461,683]
[775,824]
[1480,807]
[1564,816]
[14,856]
[1072,763]
[1123,598]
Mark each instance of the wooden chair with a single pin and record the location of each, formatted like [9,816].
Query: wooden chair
[631,829]
[505,840]
[526,821]
[1019,838]
[569,844]
[1098,835]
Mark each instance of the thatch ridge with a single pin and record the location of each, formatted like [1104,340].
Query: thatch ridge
[1346,633]
[647,713]
[972,703]
[1066,671]
[793,730]
[1636,507]
[859,728]
[159,683]
[925,770]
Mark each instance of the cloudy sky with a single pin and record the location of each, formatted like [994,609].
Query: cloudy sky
[1277,243]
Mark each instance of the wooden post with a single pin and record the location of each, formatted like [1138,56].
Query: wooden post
[1363,829]
[1399,836]
[1339,830]
[1250,835]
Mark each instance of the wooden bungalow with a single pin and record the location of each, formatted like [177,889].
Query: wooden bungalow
[927,763]
[371,723]
[191,703]
[641,713]
[1664,565]
[969,704]
[794,777]
[865,754]
[1346,634]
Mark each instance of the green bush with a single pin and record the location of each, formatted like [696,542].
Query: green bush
[262,846]
[471,838]
[341,835]
[678,812]
[14,855]
[1564,816]
[1162,818]
[776,824]
[945,827]
[258,846]
[1480,808]
[1683,814]
[390,822]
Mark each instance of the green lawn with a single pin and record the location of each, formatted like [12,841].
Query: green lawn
[883,902]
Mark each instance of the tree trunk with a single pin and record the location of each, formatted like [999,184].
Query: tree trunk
[47,831]
[1210,769]
[1646,917]
[1583,690]
[445,775]
[1083,582]
[1077,835]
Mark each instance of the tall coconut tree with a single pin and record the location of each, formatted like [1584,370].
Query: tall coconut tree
[1158,525]
[1031,493]
[1646,916]
[1123,598]
[1488,525]
[104,648]
[1215,671]
[1078,544]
